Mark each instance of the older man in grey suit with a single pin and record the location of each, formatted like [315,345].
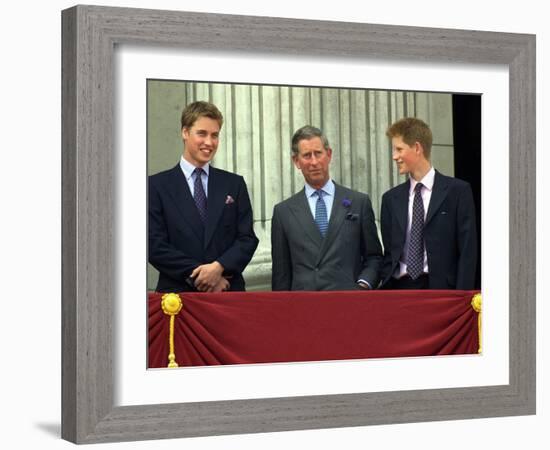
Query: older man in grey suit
[324,237]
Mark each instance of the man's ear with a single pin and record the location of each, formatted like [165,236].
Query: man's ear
[185,133]
[295,161]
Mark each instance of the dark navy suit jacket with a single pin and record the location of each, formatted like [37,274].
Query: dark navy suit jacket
[178,239]
[449,233]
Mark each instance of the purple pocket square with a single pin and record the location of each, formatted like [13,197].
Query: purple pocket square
[229,200]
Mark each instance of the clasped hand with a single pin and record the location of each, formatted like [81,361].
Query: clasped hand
[208,278]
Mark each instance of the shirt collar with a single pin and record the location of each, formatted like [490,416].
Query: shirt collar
[328,189]
[427,181]
[188,168]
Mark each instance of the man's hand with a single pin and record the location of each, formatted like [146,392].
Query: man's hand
[223,285]
[208,276]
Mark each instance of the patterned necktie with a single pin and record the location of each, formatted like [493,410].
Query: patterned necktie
[321,218]
[415,254]
[199,194]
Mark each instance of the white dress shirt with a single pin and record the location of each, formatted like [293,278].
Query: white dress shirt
[188,169]
[426,193]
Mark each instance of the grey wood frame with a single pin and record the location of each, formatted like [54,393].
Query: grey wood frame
[89,34]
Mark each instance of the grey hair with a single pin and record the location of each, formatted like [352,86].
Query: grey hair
[308,132]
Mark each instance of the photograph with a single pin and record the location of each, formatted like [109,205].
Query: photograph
[264,151]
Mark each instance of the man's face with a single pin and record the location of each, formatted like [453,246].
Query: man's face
[313,160]
[406,156]
[201,141]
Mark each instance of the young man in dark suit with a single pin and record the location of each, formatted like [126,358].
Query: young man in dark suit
[428,223]
[324,237]
[200,218]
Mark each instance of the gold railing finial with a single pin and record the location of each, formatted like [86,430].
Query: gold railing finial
[476,305]
[171,306]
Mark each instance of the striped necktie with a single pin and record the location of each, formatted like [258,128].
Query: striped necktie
[321,218]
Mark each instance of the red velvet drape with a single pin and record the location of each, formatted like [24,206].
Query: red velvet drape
[265,327]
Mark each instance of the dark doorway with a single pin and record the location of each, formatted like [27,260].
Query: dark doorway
[467,154]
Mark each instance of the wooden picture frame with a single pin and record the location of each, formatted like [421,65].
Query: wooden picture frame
[89,35]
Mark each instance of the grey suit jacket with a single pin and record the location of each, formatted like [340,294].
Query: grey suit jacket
[304,260]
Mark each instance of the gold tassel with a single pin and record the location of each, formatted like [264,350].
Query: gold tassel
[171,305]
[476,304]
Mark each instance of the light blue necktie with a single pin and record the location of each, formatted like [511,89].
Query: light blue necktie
[321,218]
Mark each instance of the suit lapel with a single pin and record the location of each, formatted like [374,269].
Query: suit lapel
[337,217]
[300,208]
[216,203]
[179,190]
[439,192]
[401,206]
